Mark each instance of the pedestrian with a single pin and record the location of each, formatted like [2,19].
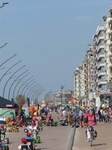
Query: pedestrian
[23,115]
[81,115]
[90,122]
[99,114]
[85,117]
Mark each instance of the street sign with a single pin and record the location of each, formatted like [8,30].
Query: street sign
[109,85]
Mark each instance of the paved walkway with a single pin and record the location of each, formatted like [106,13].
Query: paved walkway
[102,142]
[52,138]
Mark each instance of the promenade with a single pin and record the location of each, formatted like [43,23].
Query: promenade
[52,138]
[102,142]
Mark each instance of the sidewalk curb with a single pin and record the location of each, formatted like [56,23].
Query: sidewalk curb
[71,140]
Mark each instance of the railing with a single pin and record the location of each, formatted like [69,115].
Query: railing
[102,89]
[102,70]
[101,62]
[101,53]
[99,80]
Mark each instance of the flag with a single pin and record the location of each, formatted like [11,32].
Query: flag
[73,100]
[28,101]
[36,102]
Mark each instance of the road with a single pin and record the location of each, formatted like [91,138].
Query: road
[52,138]
[102,142]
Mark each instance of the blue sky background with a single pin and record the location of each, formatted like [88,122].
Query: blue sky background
[49,36]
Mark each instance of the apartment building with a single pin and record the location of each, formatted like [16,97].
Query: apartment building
[79,82]
[108,43]
[95,64]
[89,70]
[99,61]
[76,83]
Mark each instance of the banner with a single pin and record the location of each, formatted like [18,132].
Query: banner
[36,102]
[28,101]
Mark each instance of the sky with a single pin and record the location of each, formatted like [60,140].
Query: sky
[51,38]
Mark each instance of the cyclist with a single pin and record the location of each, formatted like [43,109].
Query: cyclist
[90,121]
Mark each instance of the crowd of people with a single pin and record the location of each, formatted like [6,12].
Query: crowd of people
[78,116]
[86,117]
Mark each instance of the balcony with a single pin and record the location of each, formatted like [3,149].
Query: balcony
[101,72]
[101,54]
[110,20]
[102,36]
[101,63]
[102,81]
[100,46]
[101,89]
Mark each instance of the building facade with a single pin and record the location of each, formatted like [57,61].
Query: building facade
[99,61]
[108,43]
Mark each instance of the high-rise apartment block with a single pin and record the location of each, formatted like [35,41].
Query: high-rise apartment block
[93,75]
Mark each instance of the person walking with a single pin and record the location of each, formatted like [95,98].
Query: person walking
[90,122]
[81,115]
[99,114]
[85,117]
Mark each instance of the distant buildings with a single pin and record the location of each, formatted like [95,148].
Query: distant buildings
[92,75]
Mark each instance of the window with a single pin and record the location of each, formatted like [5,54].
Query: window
[110,70]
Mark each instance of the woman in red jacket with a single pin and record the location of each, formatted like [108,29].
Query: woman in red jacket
[90,122]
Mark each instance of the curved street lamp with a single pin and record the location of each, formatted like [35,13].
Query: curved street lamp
[14,82]
[28,88]
[3,45]
[18,83]
[37,93]
[28,84]
[10,78]
[5,3]
[36,89]
[23,84]
[9,70]
[8,60]
[35,86]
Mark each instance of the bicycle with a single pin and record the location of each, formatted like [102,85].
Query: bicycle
[91,129]
[93,133]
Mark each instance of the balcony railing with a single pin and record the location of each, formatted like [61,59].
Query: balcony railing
[101,70]
[101,53]
[100,80]
[101,89]
[101,62]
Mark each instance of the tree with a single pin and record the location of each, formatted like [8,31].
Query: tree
[20,100]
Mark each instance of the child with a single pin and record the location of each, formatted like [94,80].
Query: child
[23,142]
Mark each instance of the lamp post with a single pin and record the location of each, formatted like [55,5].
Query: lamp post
[7,60]
[36,89]
[3,45]
[10,78]
[29,87]
[37,92]
[24,84]
[14,82]
[28,84]
[18,83]
[37,85]
[9,70]
[61,94]
[5,3]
